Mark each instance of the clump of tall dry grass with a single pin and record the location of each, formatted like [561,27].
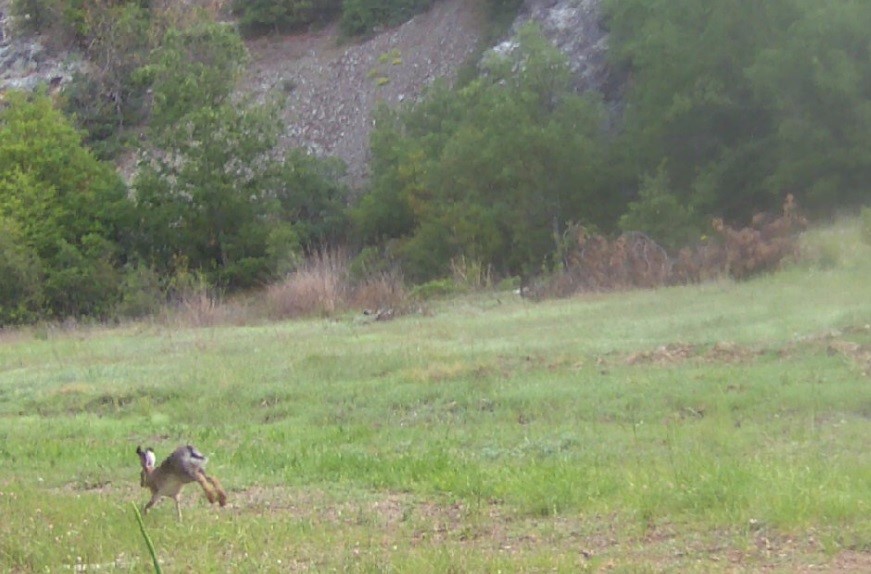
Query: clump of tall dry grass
[202,309]
[323,286]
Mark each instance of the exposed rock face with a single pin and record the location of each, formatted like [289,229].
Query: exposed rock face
[25,63]
[575,27]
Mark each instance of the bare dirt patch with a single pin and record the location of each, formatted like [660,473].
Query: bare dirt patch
[598,542]
[837,342]
[677,353]
[841,342]
[606,542]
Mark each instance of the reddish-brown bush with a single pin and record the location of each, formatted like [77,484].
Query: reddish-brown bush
[763,245]
[633,260]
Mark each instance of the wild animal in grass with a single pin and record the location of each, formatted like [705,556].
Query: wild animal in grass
[186,464]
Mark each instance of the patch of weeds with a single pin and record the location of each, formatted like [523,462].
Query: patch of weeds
[434,289]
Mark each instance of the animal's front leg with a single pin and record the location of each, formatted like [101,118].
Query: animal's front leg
[150,503]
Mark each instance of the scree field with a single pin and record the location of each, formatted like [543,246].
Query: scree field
[724,427]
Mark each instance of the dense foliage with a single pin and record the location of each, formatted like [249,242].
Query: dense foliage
[729,107]
[213,196]
[363,16]
[742,102]
[257,16]
[490,172]
[61,212]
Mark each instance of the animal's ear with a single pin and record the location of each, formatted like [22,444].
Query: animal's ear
[195,453]
[146,457]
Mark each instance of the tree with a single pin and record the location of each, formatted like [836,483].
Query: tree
[224,201]
[194,68]
[112,95]
[746,101]
[199,200]
[215,193]
[659,213]
[817,84]
[66,209]
[35,15]
[257,16]
[492,171]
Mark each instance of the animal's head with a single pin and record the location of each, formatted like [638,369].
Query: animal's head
[147,460]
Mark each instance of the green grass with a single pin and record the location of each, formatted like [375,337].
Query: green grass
[700,429]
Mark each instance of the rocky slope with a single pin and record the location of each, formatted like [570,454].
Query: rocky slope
[332,89]
[576,28]
[25,62]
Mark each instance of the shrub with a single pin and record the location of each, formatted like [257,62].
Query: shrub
[361,17]
[471,273]
[660,213]
[323,286]
[21,287]
[434,289]
[371,262]
[382,292]
[761,246]
[84,281]
[259,16]
[141,293]
[68,207]
[595,263]
[318,287]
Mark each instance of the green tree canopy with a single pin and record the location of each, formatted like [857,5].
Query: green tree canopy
[66,208]
[746,101]
[492,171]
[216,194]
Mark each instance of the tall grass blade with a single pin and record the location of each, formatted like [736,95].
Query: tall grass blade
[147,538]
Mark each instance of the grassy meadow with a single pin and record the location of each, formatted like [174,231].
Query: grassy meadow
[715,428]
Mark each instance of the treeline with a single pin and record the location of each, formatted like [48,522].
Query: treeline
[730,106]
[214,200]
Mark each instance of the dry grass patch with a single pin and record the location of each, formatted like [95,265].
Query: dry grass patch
[323,286]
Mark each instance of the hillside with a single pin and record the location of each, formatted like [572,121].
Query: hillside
[669,133]
[332,89]
[333,86]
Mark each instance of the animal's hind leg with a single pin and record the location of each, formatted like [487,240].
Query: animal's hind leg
[219,490]
[207,487]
